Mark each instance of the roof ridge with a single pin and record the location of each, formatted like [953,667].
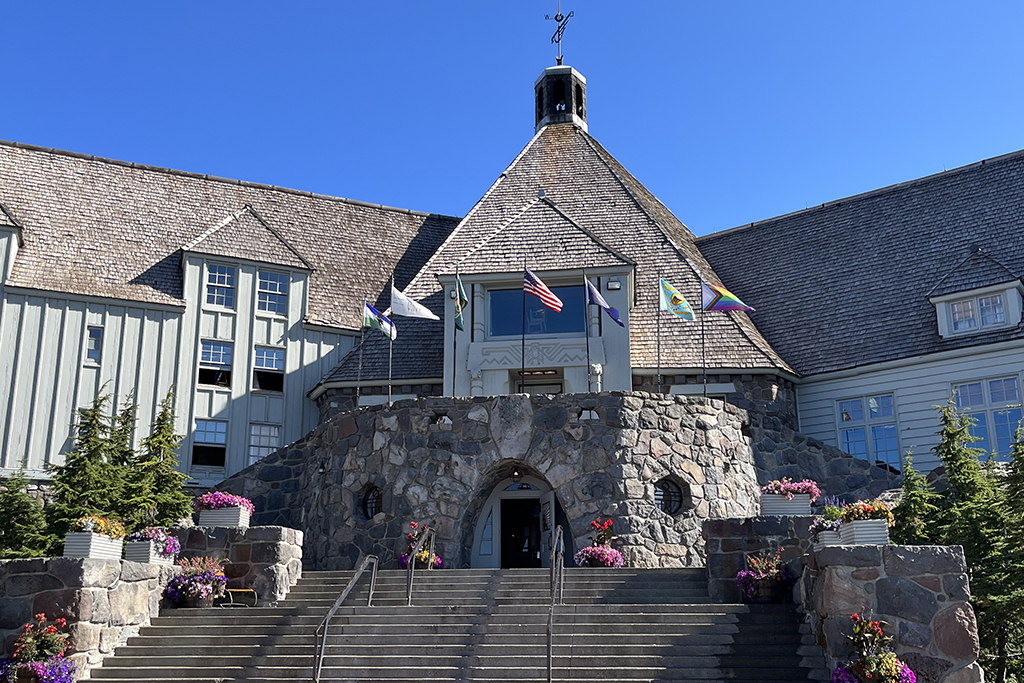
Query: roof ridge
[614,252]
[203,176]
[278,235]
[958,266]
[234,217]
[869,193]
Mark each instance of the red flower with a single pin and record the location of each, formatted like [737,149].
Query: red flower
[62,622]
[40,617]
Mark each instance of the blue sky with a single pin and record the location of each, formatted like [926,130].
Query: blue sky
[729,112]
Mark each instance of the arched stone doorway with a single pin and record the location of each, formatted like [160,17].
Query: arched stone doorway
[515,525]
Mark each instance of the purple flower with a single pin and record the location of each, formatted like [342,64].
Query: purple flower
[216,500]
[599,556]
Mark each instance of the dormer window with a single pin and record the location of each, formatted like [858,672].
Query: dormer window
[972,312]
[220,286]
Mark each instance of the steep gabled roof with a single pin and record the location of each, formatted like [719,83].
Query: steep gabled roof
[595,192]
[245,235]
[108,228]
[846,284]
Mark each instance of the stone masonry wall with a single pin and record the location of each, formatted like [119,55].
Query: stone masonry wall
[437,459]
[922,593]
[104,601]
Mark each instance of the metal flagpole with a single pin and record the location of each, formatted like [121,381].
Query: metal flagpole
[586,324]
[703,352]
[522,375]
[391,339]
[362,337]
[660,295]
[455,330]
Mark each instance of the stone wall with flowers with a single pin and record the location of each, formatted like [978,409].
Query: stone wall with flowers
[267,559]
[921,592]
[104,601]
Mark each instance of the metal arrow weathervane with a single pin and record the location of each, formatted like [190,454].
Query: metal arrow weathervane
[562,20]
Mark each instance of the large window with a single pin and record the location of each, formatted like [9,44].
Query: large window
[273,293]
[220,285]
[505,307]
[209,446]
[867,429]
[269,372]
[263,440]
[215,363]
[978,312]
[995,406]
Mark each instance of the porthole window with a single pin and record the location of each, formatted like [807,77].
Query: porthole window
[668,496]
[373,502]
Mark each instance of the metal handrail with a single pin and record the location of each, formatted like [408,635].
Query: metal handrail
[322,646]
[427,532]
[557,587]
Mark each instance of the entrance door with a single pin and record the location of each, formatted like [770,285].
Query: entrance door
[520,533]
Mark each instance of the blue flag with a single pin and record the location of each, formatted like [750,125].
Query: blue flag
[594,298]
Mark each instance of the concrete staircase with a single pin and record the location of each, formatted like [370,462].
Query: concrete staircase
[481,625]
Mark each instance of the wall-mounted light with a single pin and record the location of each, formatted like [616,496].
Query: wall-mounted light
[322,467]
[453,294]
[516,476]
[613,285]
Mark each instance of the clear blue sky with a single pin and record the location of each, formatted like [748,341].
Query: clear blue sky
[729,112]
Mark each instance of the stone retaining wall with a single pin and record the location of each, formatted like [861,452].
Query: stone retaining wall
[437,459]
[104,601]
[922,593]
[267,559]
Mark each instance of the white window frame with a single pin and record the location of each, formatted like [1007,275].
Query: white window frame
[98,360]
[1012,294]
[197,441]
[259,441]
[989,409]
[208,271]
[868,424]
[272,293]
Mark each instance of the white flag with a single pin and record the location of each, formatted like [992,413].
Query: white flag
[403,305]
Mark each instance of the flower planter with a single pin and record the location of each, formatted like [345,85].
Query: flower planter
[772,504]
[25,675]
[864,532]
[224,517]
[145,551]
[769,592]
[95,546]
[826,539]
[192,602]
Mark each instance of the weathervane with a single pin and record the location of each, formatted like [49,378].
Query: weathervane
[562,21]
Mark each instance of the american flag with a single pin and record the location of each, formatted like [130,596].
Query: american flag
[533,285]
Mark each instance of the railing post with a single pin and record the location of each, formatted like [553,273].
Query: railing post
[326,622]
[428,532]
[557,581]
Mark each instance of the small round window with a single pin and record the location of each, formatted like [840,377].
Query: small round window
[373,502]
[668,496]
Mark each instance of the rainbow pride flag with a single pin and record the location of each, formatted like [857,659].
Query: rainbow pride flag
[716,298]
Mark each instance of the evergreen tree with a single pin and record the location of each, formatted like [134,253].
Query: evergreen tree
[154,494]
[1007,608]
[23,532]
[916,511]
[122,429]
[87,482]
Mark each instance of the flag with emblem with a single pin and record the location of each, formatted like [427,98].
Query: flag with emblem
[594,298]
[673,301]
[461,301]
[375,319]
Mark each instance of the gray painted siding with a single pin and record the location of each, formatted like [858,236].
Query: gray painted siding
[917,386]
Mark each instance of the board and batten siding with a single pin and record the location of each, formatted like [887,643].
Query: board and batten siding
[45,375]
[917,384]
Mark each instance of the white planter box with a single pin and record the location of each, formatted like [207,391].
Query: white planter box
[145,551]
[826,539]
[772,504]
[96,546]
[865,532]
[224,517]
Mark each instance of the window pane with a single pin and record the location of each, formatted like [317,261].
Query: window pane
[269,359]
[263,440]
[1006,422]
[969,395]
[1004,390]
[980,430]
[506,312]
[963,315]
[94,344]
[851,411]
[855,442]
[881,406]
[273,293]
[211,431]
[887,448]
[991,309]
[220,286]
[215,354]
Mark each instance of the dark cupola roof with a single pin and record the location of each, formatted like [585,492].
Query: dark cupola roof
[560,94]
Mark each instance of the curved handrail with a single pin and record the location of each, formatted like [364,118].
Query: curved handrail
[427,532]
[325,623]
[557,587]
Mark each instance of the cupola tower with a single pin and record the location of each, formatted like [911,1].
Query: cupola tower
[560,95]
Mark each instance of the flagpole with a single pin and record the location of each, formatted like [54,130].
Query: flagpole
[703,352]
[391,339]
[586,325]
[455,330]
[660,295]
[522,375]
[362,336]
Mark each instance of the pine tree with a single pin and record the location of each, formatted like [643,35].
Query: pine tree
[122,429]
[87,482]
[1007,609]
[154,494]
[915,513]
[23,532]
